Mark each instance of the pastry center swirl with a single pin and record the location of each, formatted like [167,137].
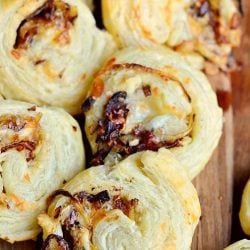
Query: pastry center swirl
[53,14]
[44,39]
[20,133]
[84,211]
[150,112]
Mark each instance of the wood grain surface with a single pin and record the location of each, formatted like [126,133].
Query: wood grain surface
[220,184]
[215,183]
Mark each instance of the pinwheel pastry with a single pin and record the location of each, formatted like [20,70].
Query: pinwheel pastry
[49,51]
[194,27]
[144,202]
[245,209]
[148,99]
[239,245]
[40,148]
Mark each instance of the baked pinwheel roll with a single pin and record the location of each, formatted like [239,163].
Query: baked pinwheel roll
[239,245]
[49,51]
[245,209]
[40,148]
[148,99]
[143,202]
[194,27]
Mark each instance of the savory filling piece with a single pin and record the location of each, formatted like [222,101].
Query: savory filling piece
[20,133]
[44,38]
[216,30]
[82,212]
[211,11]
[54,13]
[143,122]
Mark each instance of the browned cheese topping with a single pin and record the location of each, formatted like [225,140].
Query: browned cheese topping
[92,206]
[19,133]
[54,13]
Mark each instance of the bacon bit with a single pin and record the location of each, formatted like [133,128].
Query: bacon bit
[20,146]
[39,62]
[87,104]
[124,205]
[97,200]
[101,197]
[33,108]
[99,156]
[61,243]
[147,141]
[108,129]
[15,140]
[98,88]
[146,90]
[235,21]
[10,122]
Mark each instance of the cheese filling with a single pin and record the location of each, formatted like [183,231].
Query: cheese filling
[44,36]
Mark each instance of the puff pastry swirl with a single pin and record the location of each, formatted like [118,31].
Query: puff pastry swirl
[40,148]
[144,202]
[206,27]
[147,99]
[49,51]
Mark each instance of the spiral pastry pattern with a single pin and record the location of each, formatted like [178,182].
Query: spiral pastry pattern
[144,202]
[205,27]
[49,51]
[40,148]
[148,99]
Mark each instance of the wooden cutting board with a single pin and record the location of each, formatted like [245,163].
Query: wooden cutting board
[215,183]
[222,175]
